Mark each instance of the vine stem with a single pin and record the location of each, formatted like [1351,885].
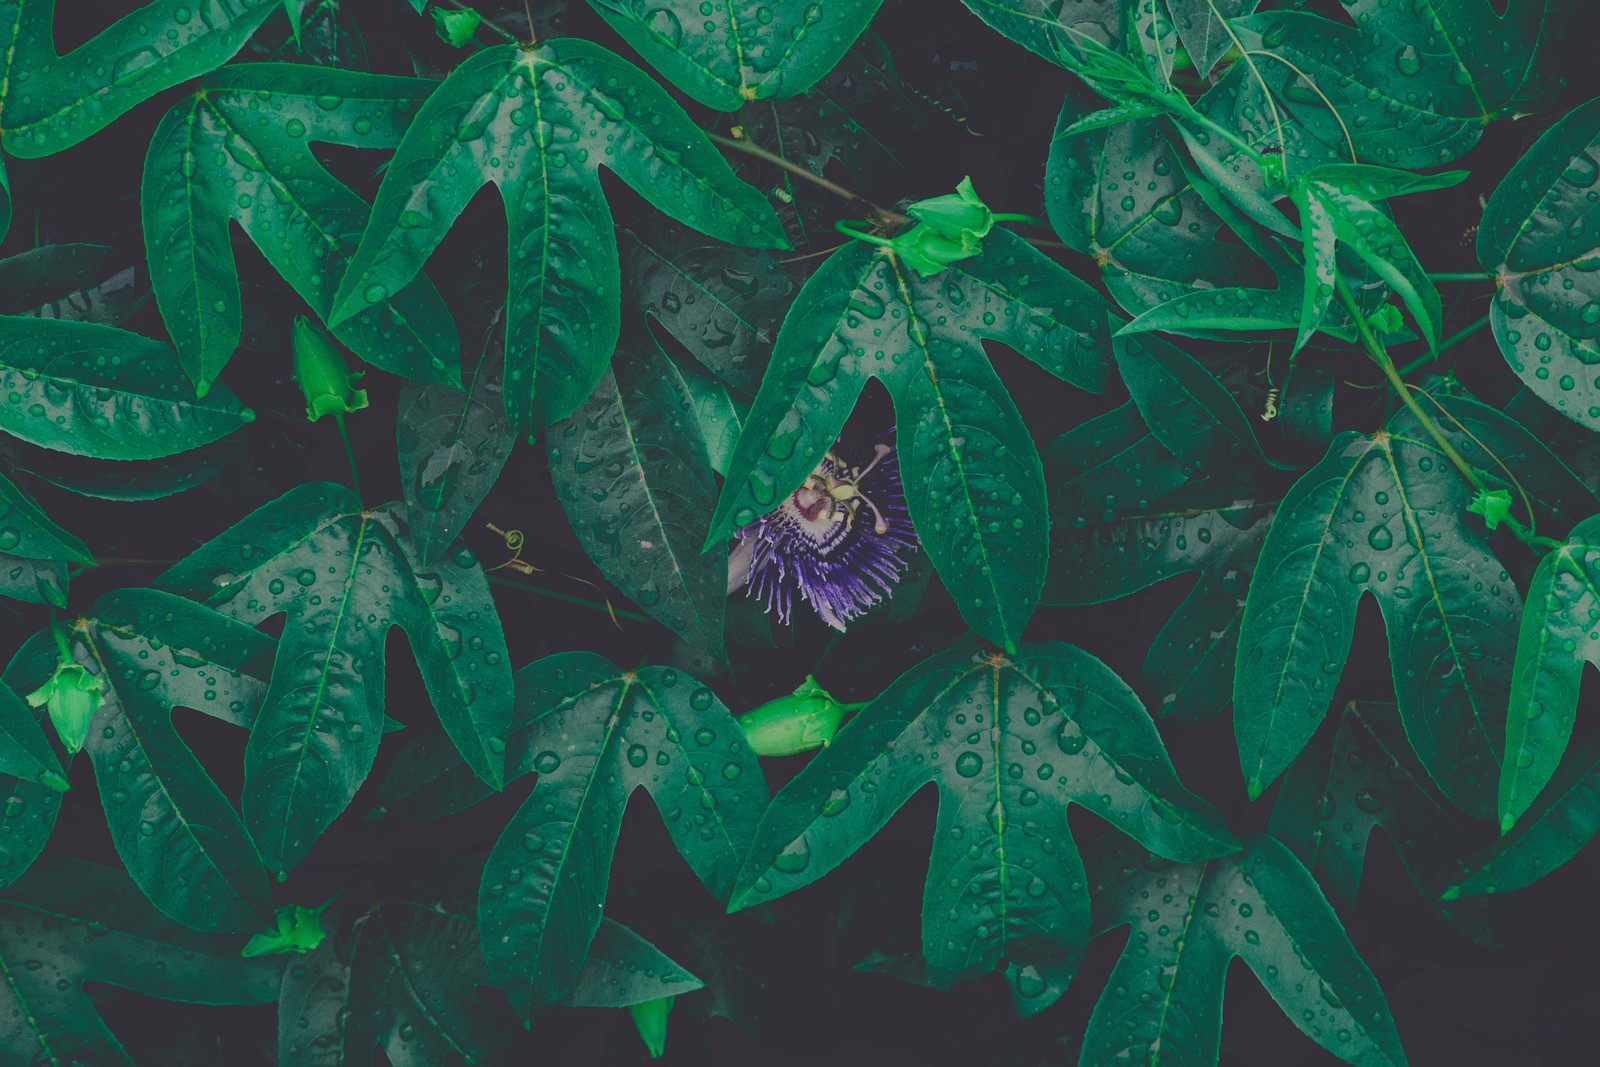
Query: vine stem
[1460,276]
[350,456]
[1449,343]
[568,598]
[880,215]
[1380,356]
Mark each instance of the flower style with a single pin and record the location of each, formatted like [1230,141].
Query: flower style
[840,539]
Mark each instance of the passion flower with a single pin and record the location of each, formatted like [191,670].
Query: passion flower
[839,540]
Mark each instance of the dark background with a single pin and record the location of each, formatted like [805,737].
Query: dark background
[990,109]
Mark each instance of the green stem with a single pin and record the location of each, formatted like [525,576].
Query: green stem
[883,216]
[1012,216]
[61,638]
[1380,356]
[350,455]
[1460,276]
[1188,111]
[567,598]
[1449,343]
[870,238]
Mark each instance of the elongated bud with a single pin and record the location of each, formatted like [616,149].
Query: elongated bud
[805,719]
[322,373]
[71,696]
[299,930]
[960,215]
[650,1019]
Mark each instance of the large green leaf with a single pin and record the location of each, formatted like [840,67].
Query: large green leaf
[82,282]
[1557,638]
[539,124]
[1359,777]
[1163,1001]
[403,973]
[1561,821]
[25,753]
[68,922]
[329,37]
[731,52]
[1186,406]
[1537,238]
[1109,543]
[973,482]
[26,532]
[604,733]
[344,575]
[240,148]
[1382,514]
[177,834]
[50,102]
[724,304]
[635,479]
[98,391]
[1202,25]
[1411,85]
[1010,743]
[452,445]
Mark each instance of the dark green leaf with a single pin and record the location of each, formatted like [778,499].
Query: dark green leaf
[329,37]
[403,973]
[452,446]
[82,282]
[635,480]
[1009,743]
[1384,515]
[140,479]
[26,531]
[1202,24]
[747,51]
[177,834]
[1054,29]
[1164,999]
[972,477]
[25,752]
[539,124]
[1359,777]
[33,580]
[1536,237]
[226,154]
[69,922]
[97,391]
[344,575]
[1186,407]
[1557,638]
[609,733]
[724,304]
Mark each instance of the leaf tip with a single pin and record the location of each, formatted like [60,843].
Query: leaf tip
[1254,788]
[1453,893]
[1507,821]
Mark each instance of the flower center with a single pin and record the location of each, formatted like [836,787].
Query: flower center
[833,494]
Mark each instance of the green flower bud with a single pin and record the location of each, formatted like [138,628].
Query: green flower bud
[960,215]
[806,719]
[71,696]
[455,28]
[299,930]
[928,252]
[1494,506]
[650,1019]
[324,377]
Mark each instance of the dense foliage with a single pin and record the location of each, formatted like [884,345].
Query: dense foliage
[1024,487]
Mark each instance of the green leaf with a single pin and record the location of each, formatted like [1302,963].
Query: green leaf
[972,477]
[329,37]
[68,922]
[26,531]
[1188,409]
[635,481]
[1560,822]
[452,445]
[740,51]
[403,974]
[82,282]
[608,733]
[25,752]
[1360,777]
[139,479]
[97,391]
[35,581]
[1384,515]
[719,417]
[1536,238]
[1414,85]
[539,124]
[1202,24]
[1164,998]
[344,575]
[177,834]
[1054,29]
[1010,743]
[1123,195]
[223,154]
[59,100]
[1104,550]
[724,304]
[1557,638]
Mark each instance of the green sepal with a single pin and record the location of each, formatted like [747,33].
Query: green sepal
[650,1019]
[455,28]
[323,375]
[299,930]
[806,719]
[1494,505]
[72,696]
[960,215]
[927,251]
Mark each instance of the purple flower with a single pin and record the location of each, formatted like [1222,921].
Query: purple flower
[840,539]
